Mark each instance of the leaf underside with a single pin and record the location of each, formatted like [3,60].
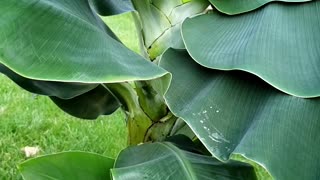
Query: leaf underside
[89,105]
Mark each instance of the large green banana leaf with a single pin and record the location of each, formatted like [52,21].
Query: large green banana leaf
[238,113]
[279,43]
[63,40]
[163,160]
[49,88]
[240,6]
[67,166]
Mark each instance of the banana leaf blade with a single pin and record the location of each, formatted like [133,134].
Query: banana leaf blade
[278,43]
[238,113]
[67,165]
[233,7]
[66,41]
[62,90]
[164,160]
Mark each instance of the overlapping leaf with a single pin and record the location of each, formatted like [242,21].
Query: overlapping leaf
[232,7]
[86,101]
[279,43]
[89,105]
[166,161]
[235,112]
[112,7]
[65,41]
[49,88]
[68,165]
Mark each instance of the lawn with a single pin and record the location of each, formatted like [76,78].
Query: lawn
[29,120]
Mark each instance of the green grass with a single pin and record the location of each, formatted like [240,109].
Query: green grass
[29,120]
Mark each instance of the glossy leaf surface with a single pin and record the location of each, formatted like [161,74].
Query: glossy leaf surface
[64,40]
[166,161]
[58,89]
[68,165]
[232,7]
[235,112]
[279,43]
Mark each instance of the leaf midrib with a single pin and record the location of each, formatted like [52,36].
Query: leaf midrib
[185,164]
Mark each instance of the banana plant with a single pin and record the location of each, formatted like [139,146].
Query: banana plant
[212,80]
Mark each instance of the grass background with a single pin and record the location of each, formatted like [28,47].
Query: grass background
[30,120]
